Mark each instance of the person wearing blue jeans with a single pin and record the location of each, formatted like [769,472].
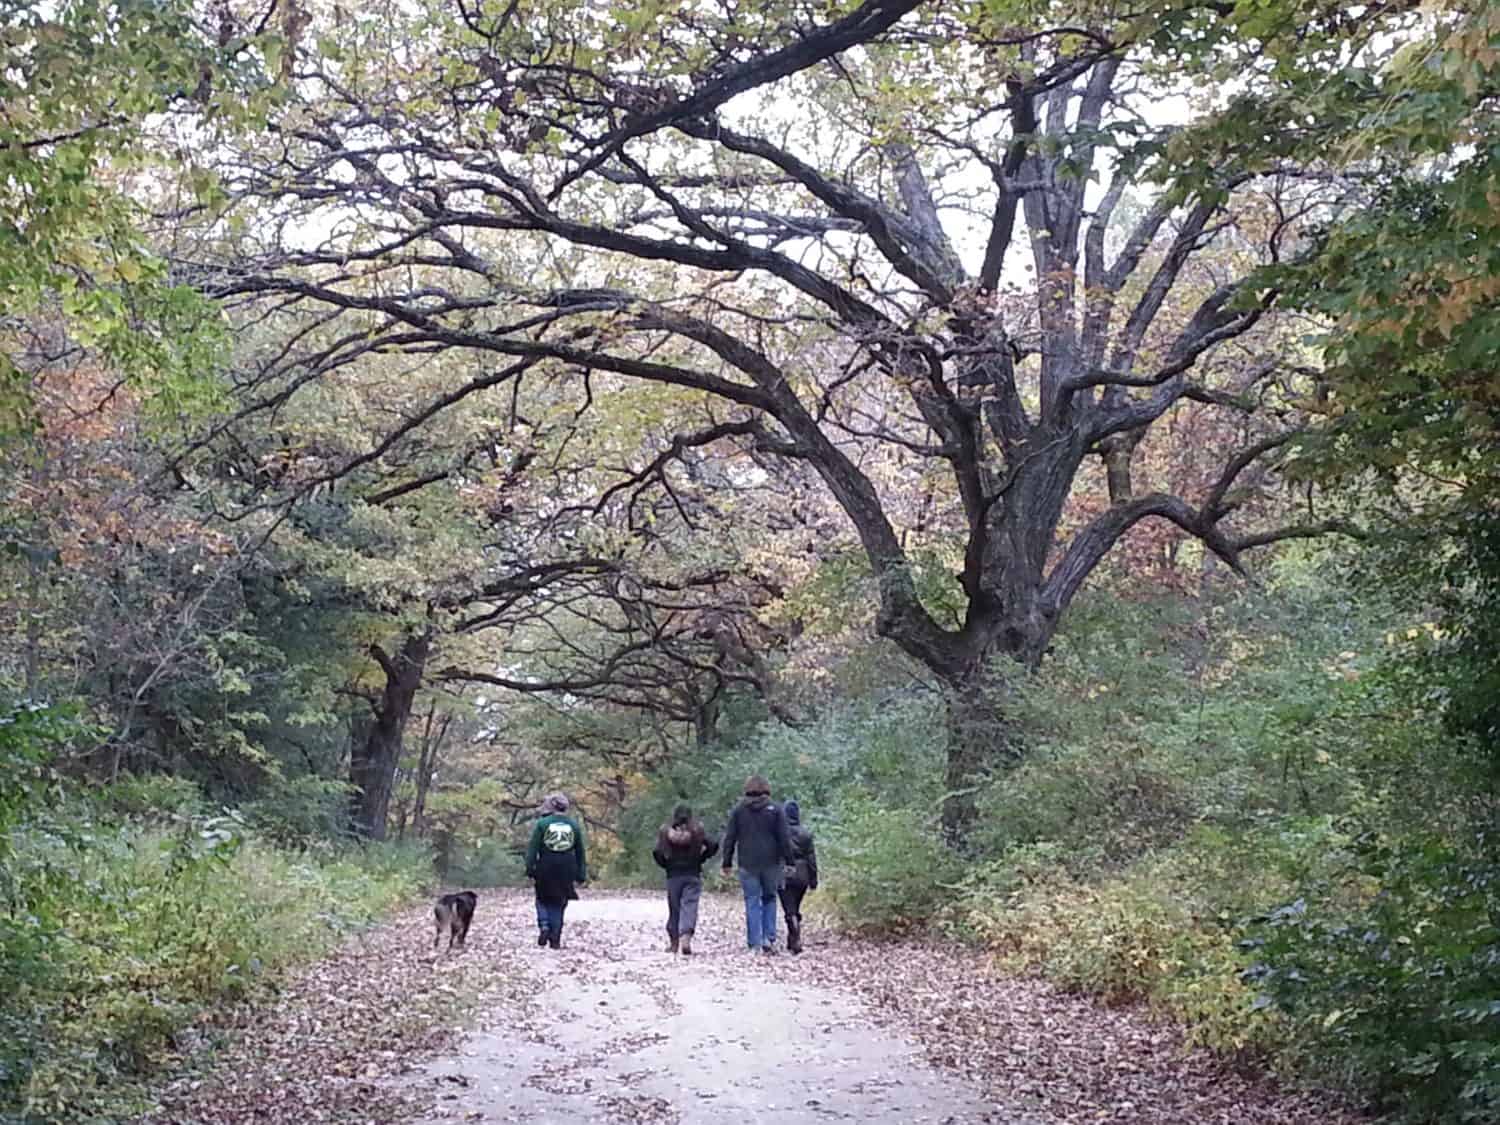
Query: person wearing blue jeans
[761,887]
[555,860]
[757,829]
[549,920]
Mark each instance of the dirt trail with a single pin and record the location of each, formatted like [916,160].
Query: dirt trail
[620,1030]
[612,1029]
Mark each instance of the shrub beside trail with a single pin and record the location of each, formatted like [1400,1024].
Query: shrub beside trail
[120,928]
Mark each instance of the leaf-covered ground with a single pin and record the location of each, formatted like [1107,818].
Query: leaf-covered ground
[613,1029]
[327,1047]
[1062,1056]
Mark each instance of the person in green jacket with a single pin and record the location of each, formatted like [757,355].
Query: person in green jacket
[555,861]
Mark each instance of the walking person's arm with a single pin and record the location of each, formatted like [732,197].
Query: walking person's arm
[532,847]
[710,849]
[812,864]
[731,837]
[583,870]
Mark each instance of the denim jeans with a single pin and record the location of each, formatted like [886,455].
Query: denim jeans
[549,915]
[760,889]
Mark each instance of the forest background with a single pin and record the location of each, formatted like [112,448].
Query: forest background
[1054,441]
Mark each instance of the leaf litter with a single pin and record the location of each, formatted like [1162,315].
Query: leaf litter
[1060,1056]
[343,1039]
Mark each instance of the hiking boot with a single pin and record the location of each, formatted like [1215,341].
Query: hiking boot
[769,949]
[554,938]
[541,939]
[687,943]
[672,946]
[794,935]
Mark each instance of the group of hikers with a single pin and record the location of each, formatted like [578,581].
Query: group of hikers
[777,861]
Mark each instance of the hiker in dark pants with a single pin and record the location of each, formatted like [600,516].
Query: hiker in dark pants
[801,875]
[758,829]
[554,858]
[681,849]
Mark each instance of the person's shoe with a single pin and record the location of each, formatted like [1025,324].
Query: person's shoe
[769,949]
[687,943]
[541,939]
[794,935]
[672,946]
[554,938]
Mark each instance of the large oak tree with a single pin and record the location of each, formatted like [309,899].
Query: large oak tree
[912,242]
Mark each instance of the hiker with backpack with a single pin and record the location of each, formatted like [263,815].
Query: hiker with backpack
[799,877]
[554,859]
[682,847]
[757,829]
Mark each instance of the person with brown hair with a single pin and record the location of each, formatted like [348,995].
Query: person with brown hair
[682,847]
[759,830]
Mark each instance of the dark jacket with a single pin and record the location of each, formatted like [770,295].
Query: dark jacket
[804,866]
[683,857]
[555,857]
[758,830]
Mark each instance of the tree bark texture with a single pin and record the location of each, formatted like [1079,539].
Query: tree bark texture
[373,758]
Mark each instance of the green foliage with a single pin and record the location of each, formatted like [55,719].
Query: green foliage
[1197,766]
[29,735]
[1162,931]
[1461,660]
[1157,714]
[1396,995]
[301,810]
[1407,281]
[152,796]
[81,82]
[488,862]
[124,917]
[885,867]
[1385,967]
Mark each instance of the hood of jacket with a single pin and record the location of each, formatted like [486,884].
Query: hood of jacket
[793,812]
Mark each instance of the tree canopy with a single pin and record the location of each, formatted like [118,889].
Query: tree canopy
[1070,421]
[943,258]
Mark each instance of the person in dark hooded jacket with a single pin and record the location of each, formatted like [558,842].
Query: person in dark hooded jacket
[757,829]
[555,860]
[801,875]
[681,849]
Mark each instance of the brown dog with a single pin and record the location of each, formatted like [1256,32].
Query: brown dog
[454,913]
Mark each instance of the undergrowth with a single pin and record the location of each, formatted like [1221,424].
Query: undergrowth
[124,920]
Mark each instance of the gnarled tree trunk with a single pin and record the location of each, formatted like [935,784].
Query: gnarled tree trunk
[981,739]
[373,758]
